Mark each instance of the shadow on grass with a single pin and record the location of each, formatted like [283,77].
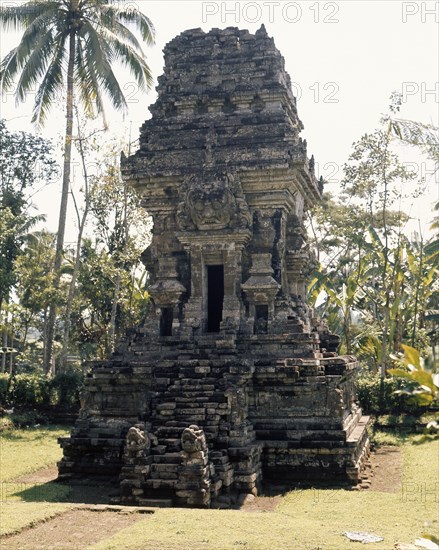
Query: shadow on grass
[389,436]
[54,491]
[34,492]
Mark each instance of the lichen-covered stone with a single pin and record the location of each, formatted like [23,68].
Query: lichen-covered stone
[232,379]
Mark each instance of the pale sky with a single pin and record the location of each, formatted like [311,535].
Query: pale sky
[345,58]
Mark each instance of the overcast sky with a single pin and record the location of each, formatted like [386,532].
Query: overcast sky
[345,58]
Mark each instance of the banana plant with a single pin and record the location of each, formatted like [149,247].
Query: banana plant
[419,383]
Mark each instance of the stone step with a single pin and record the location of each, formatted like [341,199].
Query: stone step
[163,467]
[160,484]
[156,502]
[168,458]
[169,430]
[358,432]
[170,441]
[187,410]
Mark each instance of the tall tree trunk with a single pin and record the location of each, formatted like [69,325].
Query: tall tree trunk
[386,262]
[418,286]
[112,334]
[3,321]
[64,200]
[347,330]
[11,353]
[383,370]
[72,288]
[27,322]
[4,346]
[45,338]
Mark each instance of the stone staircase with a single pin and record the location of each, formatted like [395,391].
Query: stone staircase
[193,392]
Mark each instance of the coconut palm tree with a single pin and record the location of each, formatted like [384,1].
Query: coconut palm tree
[72,46]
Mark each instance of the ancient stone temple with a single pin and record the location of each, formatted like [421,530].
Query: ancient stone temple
[231,380]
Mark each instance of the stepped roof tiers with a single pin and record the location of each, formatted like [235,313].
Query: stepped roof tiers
[231,380]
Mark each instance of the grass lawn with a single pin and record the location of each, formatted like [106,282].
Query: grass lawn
[305,520]
[22,452]
[308,519]
[27,450]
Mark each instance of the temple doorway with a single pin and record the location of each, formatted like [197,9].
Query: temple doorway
[215,297]
[166,319]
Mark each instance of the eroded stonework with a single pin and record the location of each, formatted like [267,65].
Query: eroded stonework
[231,380]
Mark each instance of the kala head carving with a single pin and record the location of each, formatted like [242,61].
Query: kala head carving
[212,201]
[211,206]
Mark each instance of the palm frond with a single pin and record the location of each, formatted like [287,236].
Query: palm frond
[128,57]
[35,66]
[15,17]
[99,56]
[86,80]
[8,69]
[131,16]
[18,57]
[110,23]
[104,36]
[52,82]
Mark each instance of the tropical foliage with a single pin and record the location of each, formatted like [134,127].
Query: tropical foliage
[109,292]
[71,46]
[377,287]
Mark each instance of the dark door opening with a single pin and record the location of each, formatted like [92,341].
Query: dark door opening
[215,297]
[166,319]
[261,319]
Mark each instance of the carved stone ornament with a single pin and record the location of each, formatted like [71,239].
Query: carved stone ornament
[136,440]
[212,201]
[193,439]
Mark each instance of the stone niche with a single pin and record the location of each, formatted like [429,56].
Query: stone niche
[231,380]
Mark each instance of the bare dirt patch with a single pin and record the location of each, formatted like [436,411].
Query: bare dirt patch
[386,465]
[44,475]
[261,503]
[73,530]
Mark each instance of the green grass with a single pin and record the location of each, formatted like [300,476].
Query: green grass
[305,520]
[299,523]
[389,437]
[17,515]
[28,450]
[308,519]
[23,452]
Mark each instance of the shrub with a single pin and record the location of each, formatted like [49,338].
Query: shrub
[4,387]
[68,387]
[30,390]
[36,391]
[377,396]
[24,419]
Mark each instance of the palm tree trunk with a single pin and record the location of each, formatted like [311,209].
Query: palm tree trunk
[64,200]
[72,288]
